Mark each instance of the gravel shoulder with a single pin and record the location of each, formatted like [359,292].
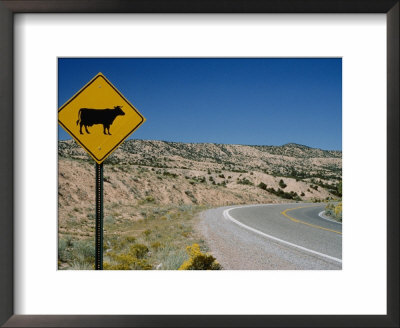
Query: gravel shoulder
[236,248]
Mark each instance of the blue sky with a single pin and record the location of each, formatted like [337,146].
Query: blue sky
[249,101]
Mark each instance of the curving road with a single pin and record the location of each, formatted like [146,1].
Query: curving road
[273,236]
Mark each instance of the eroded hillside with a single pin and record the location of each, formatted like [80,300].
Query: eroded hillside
[206,174]
[149,183]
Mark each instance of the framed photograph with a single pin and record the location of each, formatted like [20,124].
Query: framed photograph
[259,186]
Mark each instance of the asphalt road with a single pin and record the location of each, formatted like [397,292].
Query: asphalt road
[278,236]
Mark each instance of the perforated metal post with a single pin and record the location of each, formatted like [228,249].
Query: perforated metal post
[99,217]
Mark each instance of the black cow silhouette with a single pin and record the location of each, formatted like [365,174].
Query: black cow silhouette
[90,116]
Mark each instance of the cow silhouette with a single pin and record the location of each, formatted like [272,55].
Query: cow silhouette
[90,116]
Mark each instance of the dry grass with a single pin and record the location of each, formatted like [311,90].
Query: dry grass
[157,241]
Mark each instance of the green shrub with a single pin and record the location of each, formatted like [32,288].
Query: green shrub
[245,181]
[85,250]
[156,245]
[282,184]
[191,196]
[150,199]
[64,250]
[338,211]
[169,174]
[139,250]
[262,185]
[126,262]
[334,211]
[198,260]
[81,265]
[147,200]
[109,220]
[121,266]
[130,239]
[287,195]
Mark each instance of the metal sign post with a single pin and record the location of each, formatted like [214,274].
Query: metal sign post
[99,217]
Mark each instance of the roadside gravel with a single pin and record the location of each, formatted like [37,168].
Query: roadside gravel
[236,248]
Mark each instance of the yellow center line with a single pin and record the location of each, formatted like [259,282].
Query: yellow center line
[306,223]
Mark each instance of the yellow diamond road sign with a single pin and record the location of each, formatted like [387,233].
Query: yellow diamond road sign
[99,118]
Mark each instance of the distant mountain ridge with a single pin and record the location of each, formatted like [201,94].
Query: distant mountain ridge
[300,151]
[287,160]
[289,149]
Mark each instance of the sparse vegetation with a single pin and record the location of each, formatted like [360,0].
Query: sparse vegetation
[153,189]
[244,181]
[282,184]
[148,199]
[80,253]
[334,211]
[287,195]
[189,193]
[199,260]
[169,174]
[158,241]
[262,185]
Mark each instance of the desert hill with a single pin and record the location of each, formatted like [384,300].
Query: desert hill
[153,191]
[206,174]
[286,160]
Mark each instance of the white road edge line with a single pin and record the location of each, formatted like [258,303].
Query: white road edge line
[228,216]
[322,216]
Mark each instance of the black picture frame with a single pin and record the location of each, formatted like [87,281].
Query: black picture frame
[10,7]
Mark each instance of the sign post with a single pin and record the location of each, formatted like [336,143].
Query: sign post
[99,217]
[99,118]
